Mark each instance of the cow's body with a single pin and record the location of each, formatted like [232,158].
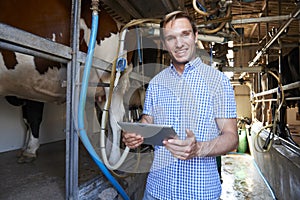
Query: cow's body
[38,79]
[289,73]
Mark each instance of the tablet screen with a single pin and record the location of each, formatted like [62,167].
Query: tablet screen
[153,134]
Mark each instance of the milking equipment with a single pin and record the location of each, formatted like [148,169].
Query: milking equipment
[82,100]
[118,66]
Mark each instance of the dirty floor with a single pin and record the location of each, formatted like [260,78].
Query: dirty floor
[45,179]
[242,179]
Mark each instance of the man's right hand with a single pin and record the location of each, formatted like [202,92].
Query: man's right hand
[132,140]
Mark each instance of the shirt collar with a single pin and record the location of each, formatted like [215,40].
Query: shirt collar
[189,66]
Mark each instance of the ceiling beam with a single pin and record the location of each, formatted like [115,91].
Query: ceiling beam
[181,4]
[130,9]
[113,6]
[264,7]
[168,5]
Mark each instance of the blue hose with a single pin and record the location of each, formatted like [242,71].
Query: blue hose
[200,6]
[82,100]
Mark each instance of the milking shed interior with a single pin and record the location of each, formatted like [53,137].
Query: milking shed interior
[255,41]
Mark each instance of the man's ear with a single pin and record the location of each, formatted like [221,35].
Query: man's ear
[196,37]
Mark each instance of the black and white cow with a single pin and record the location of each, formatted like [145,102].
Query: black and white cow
[32,112]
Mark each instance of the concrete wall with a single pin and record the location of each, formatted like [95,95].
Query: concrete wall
[293,117]
[12,130]
[242,97]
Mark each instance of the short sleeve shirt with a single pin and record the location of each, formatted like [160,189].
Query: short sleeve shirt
[192,100]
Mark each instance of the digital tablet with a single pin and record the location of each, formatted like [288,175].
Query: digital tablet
[153,134]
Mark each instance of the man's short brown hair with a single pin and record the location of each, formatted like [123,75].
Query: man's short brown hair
[176,15]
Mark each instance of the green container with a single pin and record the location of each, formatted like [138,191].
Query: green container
[243,143]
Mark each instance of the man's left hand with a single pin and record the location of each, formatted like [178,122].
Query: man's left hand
[183,149]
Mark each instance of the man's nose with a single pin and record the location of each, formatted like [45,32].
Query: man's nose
[179,41]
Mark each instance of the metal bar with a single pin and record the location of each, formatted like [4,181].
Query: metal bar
[274,46]
[40,47]
[292,98]
[287,99]
[274,90]
[264,100]
[255,44]
[93,84]
[31,41]
[106,66]
[97,63]
[24,50]
[269,43]
[243,69]
[72,140]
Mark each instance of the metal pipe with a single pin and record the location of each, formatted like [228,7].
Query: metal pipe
[266,47]
[260,19]
[264,100]
[212,38]
[274,90]
[24,50]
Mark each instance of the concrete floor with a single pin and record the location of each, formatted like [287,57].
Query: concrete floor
[242,180]
[44,178]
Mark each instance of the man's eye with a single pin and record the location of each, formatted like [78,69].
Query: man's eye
[170,38]
[186,34]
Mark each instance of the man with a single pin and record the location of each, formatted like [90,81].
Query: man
[198,101]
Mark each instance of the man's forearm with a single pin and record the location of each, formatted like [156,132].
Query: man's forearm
[219,146]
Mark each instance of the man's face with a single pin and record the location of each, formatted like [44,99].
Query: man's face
[180,40]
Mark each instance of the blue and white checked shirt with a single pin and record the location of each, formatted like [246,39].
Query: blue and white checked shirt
[190,101]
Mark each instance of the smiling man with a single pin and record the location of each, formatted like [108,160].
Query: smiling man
[198,102]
